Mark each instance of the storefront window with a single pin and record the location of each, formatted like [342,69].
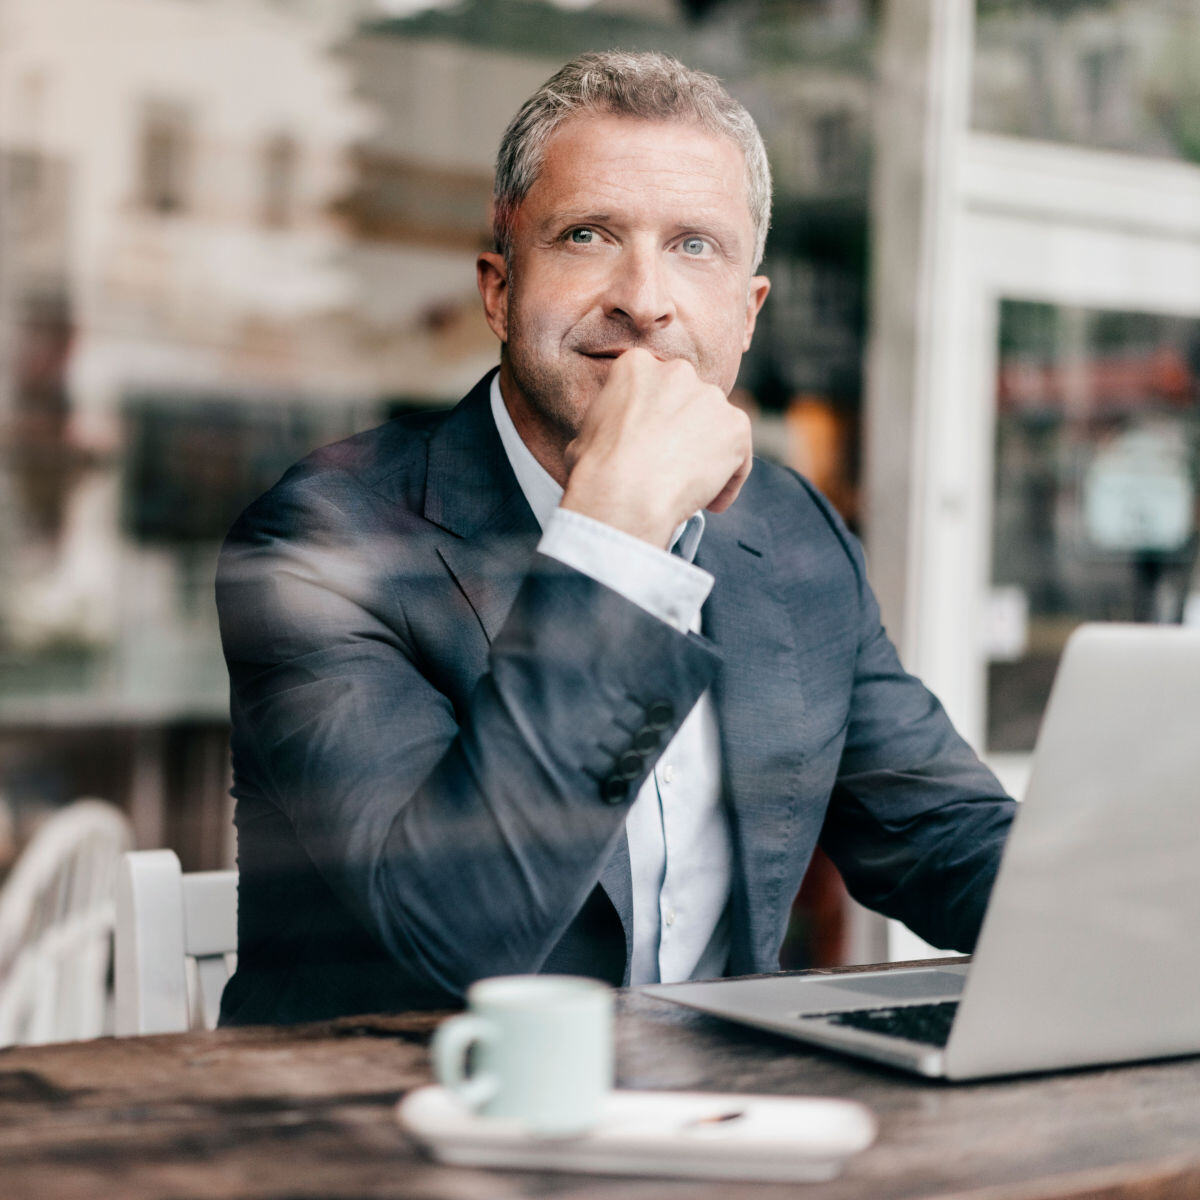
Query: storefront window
[208,273]
[1118,75]
[1096,466]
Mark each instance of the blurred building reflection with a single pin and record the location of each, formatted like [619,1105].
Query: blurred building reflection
[230,232]
[1095,514]
[1112,74]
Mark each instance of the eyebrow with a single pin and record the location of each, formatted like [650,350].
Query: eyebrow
[576,218]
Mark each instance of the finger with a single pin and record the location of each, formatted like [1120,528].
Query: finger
[729,493]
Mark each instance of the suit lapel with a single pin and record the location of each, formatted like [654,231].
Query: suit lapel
[472,493]
[490,564]
[759,702]
[617,881]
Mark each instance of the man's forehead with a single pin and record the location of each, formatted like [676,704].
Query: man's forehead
[607,134]
[601,160]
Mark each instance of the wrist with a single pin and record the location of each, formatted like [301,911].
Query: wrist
[607,501]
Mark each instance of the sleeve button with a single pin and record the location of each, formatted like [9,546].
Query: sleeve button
[660,714]
[630,765]
[646,739]
[614,790]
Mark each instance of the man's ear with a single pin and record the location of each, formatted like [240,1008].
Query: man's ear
[760,285]
[491,273]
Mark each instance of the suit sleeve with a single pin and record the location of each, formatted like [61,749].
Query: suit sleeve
[916,823]
[464,840]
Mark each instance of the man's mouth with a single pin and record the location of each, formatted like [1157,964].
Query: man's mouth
[602,353]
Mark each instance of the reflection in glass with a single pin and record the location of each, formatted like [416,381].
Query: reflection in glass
[1095,518]
[1111,74]
[232,232]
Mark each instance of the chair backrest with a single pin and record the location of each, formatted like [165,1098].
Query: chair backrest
[56,924]
[176,943]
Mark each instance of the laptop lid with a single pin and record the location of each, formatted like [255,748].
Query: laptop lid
[1089,950]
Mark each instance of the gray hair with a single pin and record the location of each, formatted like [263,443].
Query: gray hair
[649,85]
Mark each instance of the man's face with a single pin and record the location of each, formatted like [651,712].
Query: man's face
[636,233]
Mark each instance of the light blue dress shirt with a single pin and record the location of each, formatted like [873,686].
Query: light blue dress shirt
[680,852]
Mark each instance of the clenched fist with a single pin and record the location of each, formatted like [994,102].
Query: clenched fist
[656,445]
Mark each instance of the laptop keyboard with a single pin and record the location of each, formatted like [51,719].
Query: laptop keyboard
[927,1023]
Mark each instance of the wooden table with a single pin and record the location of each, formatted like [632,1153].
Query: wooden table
[307,1112]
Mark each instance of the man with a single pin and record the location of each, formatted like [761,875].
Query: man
[483,720]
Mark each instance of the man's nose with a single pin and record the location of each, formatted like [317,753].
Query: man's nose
[639,289]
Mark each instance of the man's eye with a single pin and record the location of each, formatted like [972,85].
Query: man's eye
[582,237]
[694,246]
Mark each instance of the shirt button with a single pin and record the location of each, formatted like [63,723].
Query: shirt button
[668,773]
[670,916]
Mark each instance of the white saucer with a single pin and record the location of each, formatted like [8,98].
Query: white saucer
[703,1135]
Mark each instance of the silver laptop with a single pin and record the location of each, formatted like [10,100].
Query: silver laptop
[1090,949]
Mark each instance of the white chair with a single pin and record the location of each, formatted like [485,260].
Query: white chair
[56,923]
[175,945]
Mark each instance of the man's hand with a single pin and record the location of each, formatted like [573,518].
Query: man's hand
[657,444]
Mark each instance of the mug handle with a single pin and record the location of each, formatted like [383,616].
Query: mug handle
[451,1041]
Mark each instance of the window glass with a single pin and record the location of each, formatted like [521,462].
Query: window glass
[1096,469]
[1110,74]
[165,156]
[279,170]
[230,233]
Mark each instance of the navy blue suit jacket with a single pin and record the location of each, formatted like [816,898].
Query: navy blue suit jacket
[437,732]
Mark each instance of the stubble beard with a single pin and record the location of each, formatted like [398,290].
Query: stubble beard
[545,391]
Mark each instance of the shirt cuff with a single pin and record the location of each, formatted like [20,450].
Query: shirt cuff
[664,584]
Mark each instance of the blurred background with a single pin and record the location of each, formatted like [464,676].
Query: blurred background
[233,230]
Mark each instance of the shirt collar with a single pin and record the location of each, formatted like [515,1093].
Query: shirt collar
[544,495]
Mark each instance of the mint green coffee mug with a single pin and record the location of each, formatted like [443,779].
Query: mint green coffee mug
[542,1051]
